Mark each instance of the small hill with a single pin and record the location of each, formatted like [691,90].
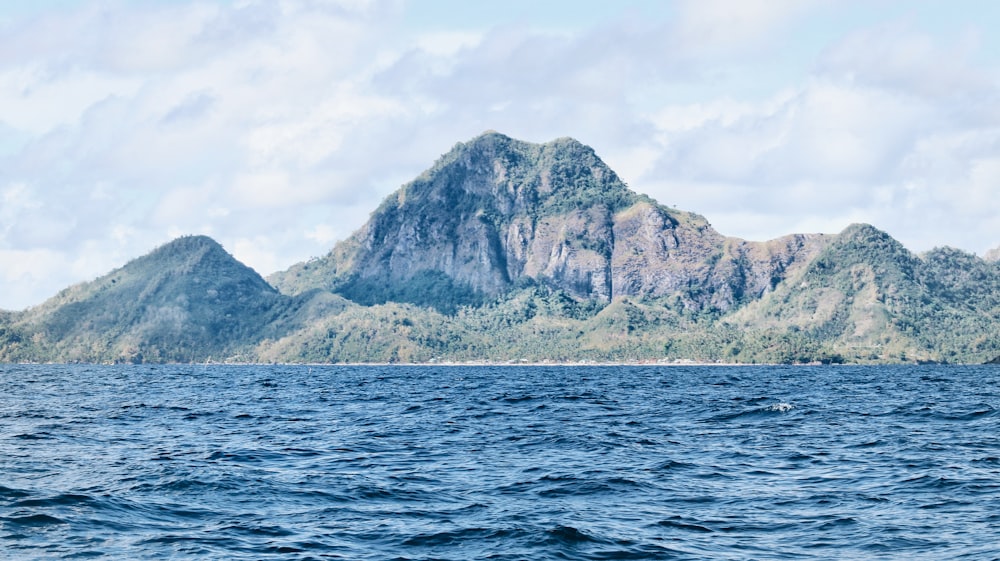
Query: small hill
[847,299]
[188,300]
[960,307]
[867,298]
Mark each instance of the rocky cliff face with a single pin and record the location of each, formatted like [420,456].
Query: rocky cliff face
[535,239]
[660,253]
[496,213]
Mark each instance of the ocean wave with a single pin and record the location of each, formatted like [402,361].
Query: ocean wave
[499,463]
[762,412]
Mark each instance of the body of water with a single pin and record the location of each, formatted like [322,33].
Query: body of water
[465,463]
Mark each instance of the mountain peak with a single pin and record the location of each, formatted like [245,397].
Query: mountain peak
[491,143]
[489,212]
[490,134]
[862,230]
[495,213]
[552,257]
[488,139]
[866,235]
[185,299]
[193,241]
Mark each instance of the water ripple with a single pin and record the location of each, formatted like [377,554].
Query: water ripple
[456,463]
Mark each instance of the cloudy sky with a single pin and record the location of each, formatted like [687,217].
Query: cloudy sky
[277,126]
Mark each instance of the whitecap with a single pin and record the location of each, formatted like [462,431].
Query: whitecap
[780,407]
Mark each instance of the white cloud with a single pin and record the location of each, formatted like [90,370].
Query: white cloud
[24,273]
[723,26]
[258,252]
[32,275]
[277,127]
[896,56]
[34,101]
[894,128]
[266,189]
[323,234]
[447,43]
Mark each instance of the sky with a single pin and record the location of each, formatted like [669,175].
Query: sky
[278,126]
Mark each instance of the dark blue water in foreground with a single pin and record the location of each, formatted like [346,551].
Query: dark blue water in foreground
[235,462]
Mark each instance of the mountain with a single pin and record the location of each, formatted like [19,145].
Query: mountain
[188,300]
[511,251]
[867,298]
[849,297]
[496,213]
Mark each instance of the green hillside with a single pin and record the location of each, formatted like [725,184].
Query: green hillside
[508,251]
[188,300]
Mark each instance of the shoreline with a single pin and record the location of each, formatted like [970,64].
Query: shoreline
[481,363]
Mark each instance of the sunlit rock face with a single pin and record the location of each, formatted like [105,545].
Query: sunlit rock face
[495,213]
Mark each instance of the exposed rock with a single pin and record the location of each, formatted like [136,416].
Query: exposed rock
[495,213]
[534,252]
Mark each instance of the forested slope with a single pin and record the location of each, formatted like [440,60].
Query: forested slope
[505,250]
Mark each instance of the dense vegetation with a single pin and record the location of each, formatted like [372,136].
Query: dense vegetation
[537,324]
[186,301]
[472,194]
[429,279]
[865,300]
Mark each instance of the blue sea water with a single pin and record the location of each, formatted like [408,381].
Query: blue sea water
[463,463]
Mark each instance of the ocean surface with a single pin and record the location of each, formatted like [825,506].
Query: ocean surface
[465,463]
